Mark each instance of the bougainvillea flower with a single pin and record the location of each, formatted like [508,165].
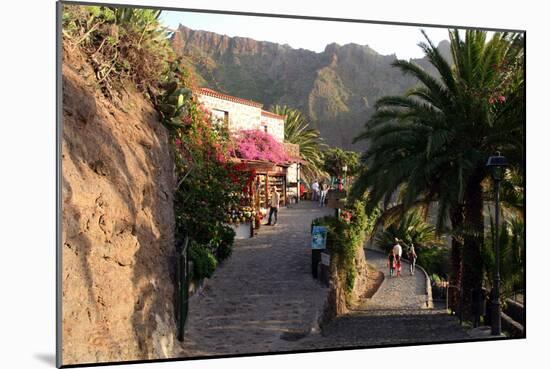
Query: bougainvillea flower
[254,144]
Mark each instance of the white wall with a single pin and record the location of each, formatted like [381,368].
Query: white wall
[241,116]
[275,126]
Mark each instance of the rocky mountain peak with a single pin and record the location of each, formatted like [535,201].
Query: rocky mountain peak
[336,88]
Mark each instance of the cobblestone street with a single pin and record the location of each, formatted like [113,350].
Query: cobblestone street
[404,292]
[396,314]
[264,290]
[263,299]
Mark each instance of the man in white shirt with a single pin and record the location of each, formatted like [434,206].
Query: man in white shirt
[397,249]
[315,189]
[273,205]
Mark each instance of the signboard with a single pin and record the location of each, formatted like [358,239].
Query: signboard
[325,258]
[319,238]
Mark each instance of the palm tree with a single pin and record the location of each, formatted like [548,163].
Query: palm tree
[297,131]
[432,143]
[412,229]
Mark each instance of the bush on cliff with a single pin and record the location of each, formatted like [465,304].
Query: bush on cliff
[122,44]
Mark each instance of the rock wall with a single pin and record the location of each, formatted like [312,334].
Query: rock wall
[117,225]
[337,301]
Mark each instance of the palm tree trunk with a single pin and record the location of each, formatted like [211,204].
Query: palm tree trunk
[473,239]
[457,245]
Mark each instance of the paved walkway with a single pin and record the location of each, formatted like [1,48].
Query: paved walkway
[403,292]
[396,314]
[262,292]
[263,299]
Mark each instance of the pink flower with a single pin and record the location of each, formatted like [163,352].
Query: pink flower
[502,99]
[254,144]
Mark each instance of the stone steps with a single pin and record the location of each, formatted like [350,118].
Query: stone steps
[395,326]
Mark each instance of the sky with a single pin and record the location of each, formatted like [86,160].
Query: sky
[310,34]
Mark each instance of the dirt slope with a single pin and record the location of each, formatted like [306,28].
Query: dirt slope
[117,239]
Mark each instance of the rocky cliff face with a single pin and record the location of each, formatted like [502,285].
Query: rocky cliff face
[117,223]
[337,88]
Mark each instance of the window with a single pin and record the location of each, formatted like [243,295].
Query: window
[220,117]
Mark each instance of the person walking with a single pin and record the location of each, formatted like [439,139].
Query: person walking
[412,259]
[398,251]
[391,262]
[315,190]
[323,196]
[274,205]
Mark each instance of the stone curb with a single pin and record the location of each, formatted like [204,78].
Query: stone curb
[429,298]
[428,289]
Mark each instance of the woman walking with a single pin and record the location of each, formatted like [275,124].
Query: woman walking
[412,259]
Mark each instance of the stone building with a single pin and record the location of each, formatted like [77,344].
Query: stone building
[273,124]
[242,114]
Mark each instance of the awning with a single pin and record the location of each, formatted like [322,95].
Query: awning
[259,165]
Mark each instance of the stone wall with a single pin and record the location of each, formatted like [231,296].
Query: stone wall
[338,303]
[117,225]
[241,116]
[275,125]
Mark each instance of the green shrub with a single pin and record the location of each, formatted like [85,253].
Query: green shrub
[435,260]
[122,44]
[344,236]
[336,159]
[512,255]
[204,262]
[411,229]
[223,241]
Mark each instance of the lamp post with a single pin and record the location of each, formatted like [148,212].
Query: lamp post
[497,165]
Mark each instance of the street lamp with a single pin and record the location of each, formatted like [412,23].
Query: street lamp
[497,165]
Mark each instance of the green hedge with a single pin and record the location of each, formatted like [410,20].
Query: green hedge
[204,261]
[435,260]
[344,237]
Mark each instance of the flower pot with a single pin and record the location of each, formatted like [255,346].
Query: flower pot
[242,230]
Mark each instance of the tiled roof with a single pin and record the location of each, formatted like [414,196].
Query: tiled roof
[272,115]
[219,95]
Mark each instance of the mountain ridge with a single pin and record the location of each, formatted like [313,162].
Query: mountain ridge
[336,88]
